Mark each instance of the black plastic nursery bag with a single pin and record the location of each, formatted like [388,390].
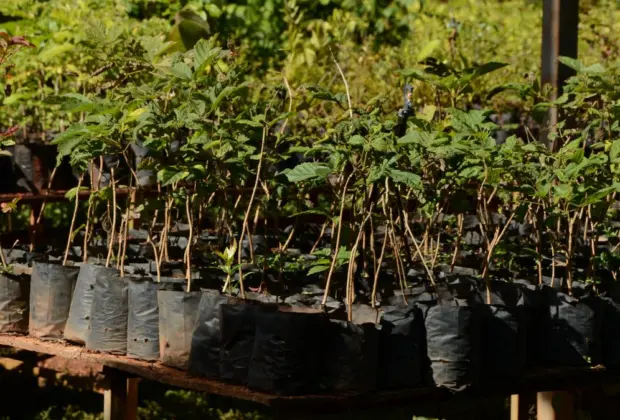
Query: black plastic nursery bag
[51,289]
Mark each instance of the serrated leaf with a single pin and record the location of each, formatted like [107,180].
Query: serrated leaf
[182,71]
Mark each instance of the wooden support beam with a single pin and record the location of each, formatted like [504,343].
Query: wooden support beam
[120,399]
[555,405]
[560,38]
[520,406]
[132,398]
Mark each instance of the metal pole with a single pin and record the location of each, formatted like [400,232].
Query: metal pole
[559,38]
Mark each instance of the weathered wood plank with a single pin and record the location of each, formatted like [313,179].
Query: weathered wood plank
[542,380]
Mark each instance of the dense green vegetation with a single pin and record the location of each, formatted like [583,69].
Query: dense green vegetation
[373,40]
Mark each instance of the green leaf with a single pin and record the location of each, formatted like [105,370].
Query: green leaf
[598,196]
[169,176]
[317,269]
[182,71]
[572,63]
[614,151]
[306,171]
[54,51]
[428,113]
[357,140]
[72,193]
[205,53]
[428,49]
[408,178]
[563,190]
[250,123]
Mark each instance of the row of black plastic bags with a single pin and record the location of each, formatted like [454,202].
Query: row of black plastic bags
[446,336]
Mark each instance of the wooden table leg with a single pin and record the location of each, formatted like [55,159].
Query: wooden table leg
[555,405]
[520,406]
[120,399]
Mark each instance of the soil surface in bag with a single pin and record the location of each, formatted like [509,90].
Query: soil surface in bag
[178,312]
[287,356]
[143,319]
[78,322]
[502,334]
[351,357]
[572,328]
[51,288]
[401,346]
[237,326]
[14,299]
[109,311]
[206,342]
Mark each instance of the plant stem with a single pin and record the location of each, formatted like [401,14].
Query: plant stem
[350,283]
[247,213]
[378,268]
[42,210]
[75,210]
[459,235]
[113,230]
[332,266]
[188,252]
[346,84]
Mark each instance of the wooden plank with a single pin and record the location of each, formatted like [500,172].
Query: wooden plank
[152,371]
[543,380]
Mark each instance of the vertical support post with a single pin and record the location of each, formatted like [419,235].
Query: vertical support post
[555,405]
[132,399]
[559,38]
[120,399]
[520,406]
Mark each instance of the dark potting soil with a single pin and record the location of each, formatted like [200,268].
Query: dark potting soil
[178,312]
[287,354]
[109,312]
[204,358]
[51,289]
[14,299]
[351,357]
[143,319]
[402,348]
[572,328]
[78,321]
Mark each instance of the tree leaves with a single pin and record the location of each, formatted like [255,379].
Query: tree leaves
[307,171]
[182,71]
[408,178]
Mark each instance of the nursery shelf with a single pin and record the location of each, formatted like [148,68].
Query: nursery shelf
[543,380]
